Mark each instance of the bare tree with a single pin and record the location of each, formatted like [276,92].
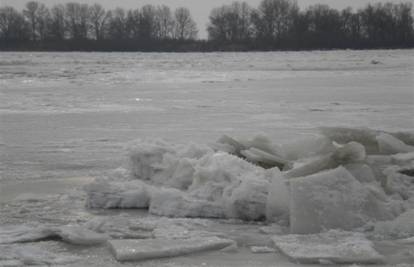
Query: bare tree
[30,12]
[117,25]
[217,28]
[165,22]
[231,22]
[12,25]
[132,23]
[185,28]
[274,18]
[43,22]
[57,22]
[99,18]
[148,24]
[77,20]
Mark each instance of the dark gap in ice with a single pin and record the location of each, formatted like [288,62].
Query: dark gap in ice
[408,172]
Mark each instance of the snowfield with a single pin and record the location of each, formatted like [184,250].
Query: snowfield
[222,159]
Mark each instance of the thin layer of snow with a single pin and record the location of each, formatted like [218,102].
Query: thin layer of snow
[136,250]
[329,247]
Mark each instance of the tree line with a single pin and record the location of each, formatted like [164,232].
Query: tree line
[281,24]
[274,24]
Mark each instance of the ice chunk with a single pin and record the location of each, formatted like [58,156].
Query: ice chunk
[108,195]
[145,157]
[248,200]
[333,246]
[79,235]
[398,181]
[235,183]
[350,153]
[272,229]
[231,145]
[402,158]
[366,137]
[308,147]
[262,143]
[163,164]
[343,135]
[135,250]
[263,158]
[22,233]
[406,137]
[256,249]
[258,150]
[277,203]
[119,228]
[175,203]
[332,199]
[388,144]
[362,172]
[193,151]
[218,171]
[23,255]
[315,165]
[400,227]
[178,172]
[71,234]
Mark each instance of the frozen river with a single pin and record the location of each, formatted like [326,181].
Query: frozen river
[71,114]
[66,118]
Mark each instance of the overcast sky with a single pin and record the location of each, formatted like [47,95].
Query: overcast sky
[200,9]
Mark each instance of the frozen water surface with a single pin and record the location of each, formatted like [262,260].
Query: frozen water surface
[67,117]
[70,114]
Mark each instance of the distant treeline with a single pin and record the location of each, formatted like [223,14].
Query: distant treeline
[273,25]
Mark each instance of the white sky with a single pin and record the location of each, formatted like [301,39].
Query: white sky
[200,9]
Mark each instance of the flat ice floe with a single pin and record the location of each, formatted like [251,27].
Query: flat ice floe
[135,250]
[30,255]
[329,248]
[75,235]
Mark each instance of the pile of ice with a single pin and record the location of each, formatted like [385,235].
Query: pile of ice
[342,179]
